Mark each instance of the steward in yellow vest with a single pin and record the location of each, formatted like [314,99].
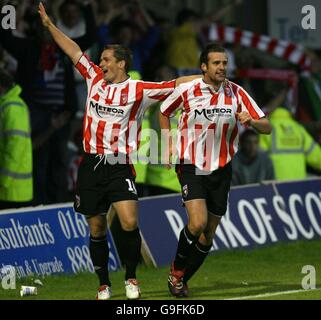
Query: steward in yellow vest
[15,146]
[290,147]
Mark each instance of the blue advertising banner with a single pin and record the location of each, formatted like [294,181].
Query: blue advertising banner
[299,207]
[48,240]
[53,239]
[258,215]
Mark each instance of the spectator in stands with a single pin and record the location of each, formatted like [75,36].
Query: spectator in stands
[184,48]
[15,146]
[47,79]
[250,164]
[290,146]
[132,26]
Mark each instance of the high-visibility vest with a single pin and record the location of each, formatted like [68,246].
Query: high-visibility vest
[15,148]
[157,174]
[290,147]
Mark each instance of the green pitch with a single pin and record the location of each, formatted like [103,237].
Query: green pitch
[225,275]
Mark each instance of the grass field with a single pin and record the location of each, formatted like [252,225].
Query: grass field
[226,275]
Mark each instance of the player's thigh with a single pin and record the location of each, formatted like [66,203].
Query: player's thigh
[127,212]
[91,194]
[197,215]
[97,225]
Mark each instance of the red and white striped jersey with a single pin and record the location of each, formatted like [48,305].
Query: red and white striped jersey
[114,112]
[207,130]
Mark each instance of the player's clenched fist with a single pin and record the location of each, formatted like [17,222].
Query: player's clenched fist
[43,15]
[244,118]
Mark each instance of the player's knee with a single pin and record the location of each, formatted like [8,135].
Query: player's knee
[197,227]
[129,224]
[97,233]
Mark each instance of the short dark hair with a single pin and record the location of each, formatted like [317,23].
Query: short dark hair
[211,47]
[121,53]
[6,80]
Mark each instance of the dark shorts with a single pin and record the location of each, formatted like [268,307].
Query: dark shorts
[213,187]
[100,183]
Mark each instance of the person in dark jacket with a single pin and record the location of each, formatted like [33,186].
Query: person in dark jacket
[48,86]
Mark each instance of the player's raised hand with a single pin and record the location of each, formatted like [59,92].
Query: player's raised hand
[244,118]
[43,15]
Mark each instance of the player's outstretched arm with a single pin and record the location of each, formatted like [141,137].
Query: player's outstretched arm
[184,79]
[68,46]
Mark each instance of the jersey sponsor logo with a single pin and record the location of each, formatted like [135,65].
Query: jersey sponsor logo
[105,111]
[211,113]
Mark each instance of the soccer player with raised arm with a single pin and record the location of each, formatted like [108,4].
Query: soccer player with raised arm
[207,140]
[114,111]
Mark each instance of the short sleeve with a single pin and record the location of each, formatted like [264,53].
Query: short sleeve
[173,103]
[158,91]
[88,69]
[248,104]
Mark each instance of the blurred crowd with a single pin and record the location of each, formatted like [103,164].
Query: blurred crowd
[163,49]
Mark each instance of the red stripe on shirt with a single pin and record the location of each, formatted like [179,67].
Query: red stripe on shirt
[223,148]
[108,100]
[133,112]
[114,137]
[87,135]
[160,97]
[163,85]
[209,142]
[83,70]
[198,131]
[184,136]
[173,106]
[100,137]
[248,105]
[186,103]
[197,90]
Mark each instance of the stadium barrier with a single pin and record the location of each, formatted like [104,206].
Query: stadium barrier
[53,239]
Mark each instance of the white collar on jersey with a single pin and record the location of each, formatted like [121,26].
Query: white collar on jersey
[205,85]
[118,83]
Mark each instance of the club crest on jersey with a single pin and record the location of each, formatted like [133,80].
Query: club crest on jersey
[228,91]
[123,99]
[105,111]
[185,191]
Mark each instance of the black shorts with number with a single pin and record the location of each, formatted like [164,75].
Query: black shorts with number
[101,183]
[213,187]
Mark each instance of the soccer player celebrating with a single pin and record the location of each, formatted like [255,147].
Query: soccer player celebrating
[207,140]
[114,112]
